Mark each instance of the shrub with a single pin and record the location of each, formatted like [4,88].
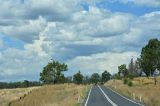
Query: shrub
[125,81]
[130,76]
[130,83]
[117,77]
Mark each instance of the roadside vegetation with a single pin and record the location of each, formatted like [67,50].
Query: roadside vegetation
[9,95]
[55,95]
[148,64]
[140,80]
[54,89]
[142,88]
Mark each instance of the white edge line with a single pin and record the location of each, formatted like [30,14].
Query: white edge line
[125,97]
[88,96]
[107,97]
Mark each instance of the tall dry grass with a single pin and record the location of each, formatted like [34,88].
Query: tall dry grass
[54,95]
[143,87]
[8,95]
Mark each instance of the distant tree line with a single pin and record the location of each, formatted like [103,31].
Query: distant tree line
[23,84]
[94,78]
[52,73]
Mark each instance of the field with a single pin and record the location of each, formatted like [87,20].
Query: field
[8,95]
[54,95]
[143,89]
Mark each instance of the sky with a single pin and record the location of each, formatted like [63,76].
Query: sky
[87,35]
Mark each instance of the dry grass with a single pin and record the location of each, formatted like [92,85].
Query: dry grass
[141,87]
[54,95]
[8,95]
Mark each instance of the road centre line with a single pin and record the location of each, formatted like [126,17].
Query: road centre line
[88,96]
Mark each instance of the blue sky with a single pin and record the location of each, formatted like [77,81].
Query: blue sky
[127,8]
[88,35]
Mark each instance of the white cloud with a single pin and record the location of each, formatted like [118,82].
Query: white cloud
[143,29]
[91,41]
[26,31]
[58,6]
[31,9]
[100,62]
[97,22]
[22,63]
[1,44]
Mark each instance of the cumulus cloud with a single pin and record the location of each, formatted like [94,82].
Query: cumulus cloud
[27,31]
[95,28]
[1,44]
[88,40]
[143,29]
[31,9]
[15,62]
[100,62]
[101,23]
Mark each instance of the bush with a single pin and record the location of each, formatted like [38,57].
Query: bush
[117,77]
[130,76]
[130,83]
[125,81]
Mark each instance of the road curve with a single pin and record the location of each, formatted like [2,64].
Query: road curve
[104,96]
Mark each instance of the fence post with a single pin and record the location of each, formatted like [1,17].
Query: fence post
[133,96]
[79,99]
[140,98]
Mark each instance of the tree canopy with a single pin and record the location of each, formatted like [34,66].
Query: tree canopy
[52,72]
[122,70]
[95,78]
[150,57]
[105,76]
[78,78]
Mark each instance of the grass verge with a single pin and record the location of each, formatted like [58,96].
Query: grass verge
[142,87]
[54,95]
[8,95]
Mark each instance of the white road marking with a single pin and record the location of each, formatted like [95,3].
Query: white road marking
[107,97]
[125,97]
[88,97]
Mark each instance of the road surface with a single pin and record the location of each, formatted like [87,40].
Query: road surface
[102,96]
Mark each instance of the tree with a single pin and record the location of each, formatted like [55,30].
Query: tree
[52,72]
[60,78]
[68,79]
[78,78]
[26,83]
[137,68]
[105,76]
[122,70]
[131,67]
[150,57]
[86,80]
[95,78]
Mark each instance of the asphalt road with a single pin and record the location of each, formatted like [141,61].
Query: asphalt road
[103,96]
